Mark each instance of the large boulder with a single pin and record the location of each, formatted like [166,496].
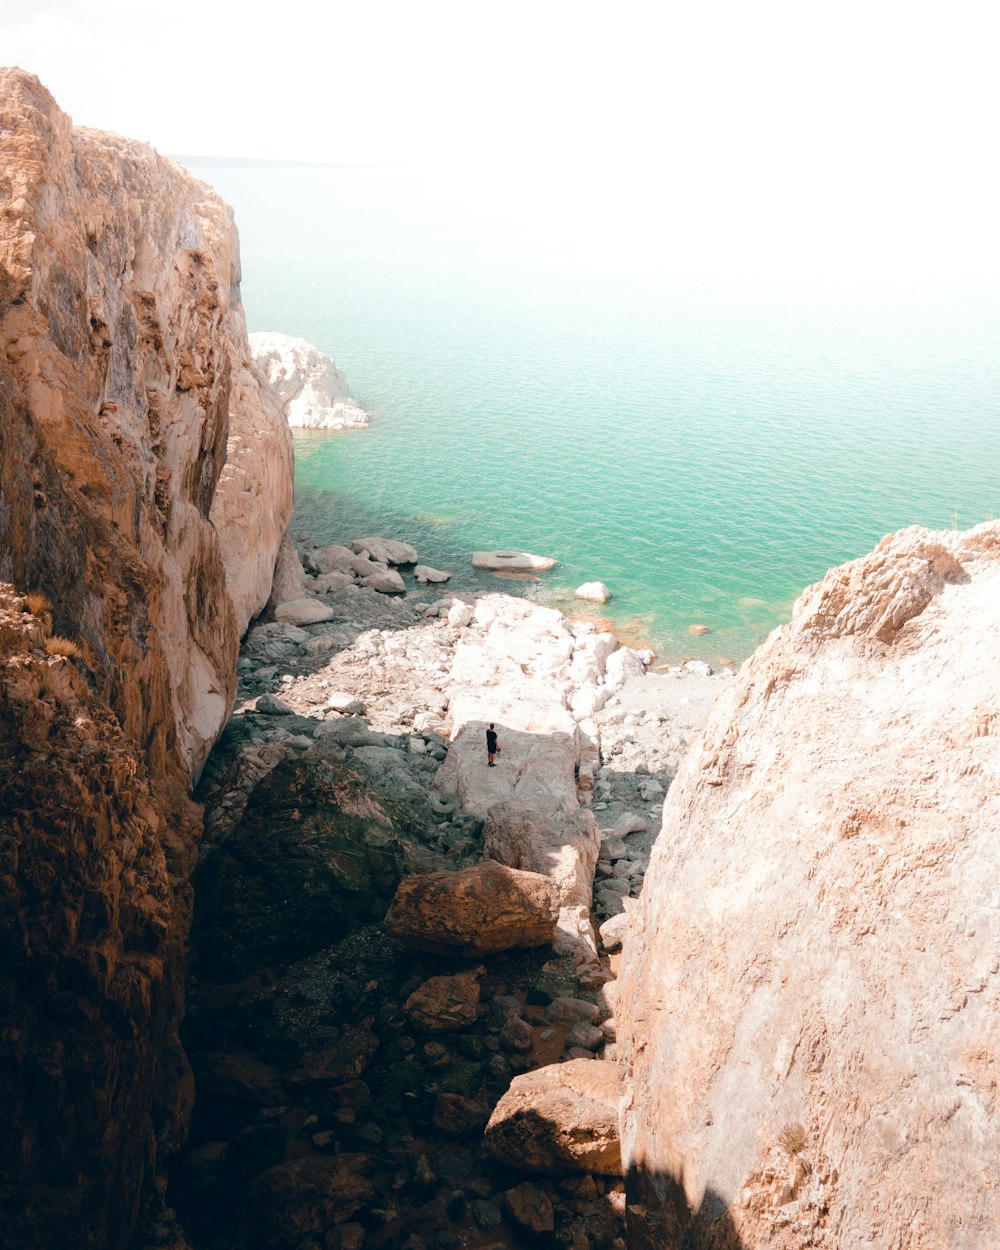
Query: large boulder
[560,1118]
[475,911]
[809,997]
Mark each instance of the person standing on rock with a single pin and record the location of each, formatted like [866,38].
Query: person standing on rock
[491,744]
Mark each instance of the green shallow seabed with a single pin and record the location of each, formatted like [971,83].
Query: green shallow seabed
[706,453]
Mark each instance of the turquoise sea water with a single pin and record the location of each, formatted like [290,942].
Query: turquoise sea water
[707,451]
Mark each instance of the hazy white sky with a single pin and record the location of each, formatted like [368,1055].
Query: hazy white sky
[769,134]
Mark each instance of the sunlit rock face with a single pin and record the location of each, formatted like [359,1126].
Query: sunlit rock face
[122,353]
[811,984]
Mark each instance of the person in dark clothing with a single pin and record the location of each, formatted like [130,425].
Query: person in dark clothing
[491,744]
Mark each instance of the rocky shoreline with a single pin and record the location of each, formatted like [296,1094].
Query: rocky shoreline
[369,1061]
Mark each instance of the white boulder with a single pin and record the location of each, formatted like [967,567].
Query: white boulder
[593,592]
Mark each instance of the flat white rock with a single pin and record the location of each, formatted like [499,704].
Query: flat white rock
[511,561]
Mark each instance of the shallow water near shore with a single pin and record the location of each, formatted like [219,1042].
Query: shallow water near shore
[705,452]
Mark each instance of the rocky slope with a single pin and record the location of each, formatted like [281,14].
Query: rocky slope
[811,984]
[123,360]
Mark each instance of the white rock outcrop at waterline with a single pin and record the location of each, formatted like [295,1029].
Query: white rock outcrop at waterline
[309,384]
[811,986]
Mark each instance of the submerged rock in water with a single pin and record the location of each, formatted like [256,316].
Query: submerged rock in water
[511,561]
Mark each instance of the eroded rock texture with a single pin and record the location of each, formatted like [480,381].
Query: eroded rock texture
[121,349]
[811,988]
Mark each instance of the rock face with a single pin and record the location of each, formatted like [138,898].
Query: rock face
[312,388]
[811,983]
[123,369]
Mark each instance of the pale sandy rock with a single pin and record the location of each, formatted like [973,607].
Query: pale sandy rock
[386,550]
[424,573]
[254,498]
[312,389]
[557,1119]
[560,845]
[511,561]
[288,582]
[474,911]
[817,940]
[594,592]
[303,612]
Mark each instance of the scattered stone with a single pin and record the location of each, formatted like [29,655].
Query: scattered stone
[584,1036]
[530,1208]
[614,848]
[345,702]
[271,705]
[699,668]
[571,1011]
[613,930]
[516,1036]
[445,1003]
[456,1116]
[699,630]
[628,823]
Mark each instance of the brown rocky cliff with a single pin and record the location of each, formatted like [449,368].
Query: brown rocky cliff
[121,334]
[811,988]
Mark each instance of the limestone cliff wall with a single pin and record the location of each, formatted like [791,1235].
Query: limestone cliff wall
[811,988]
[123,360]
